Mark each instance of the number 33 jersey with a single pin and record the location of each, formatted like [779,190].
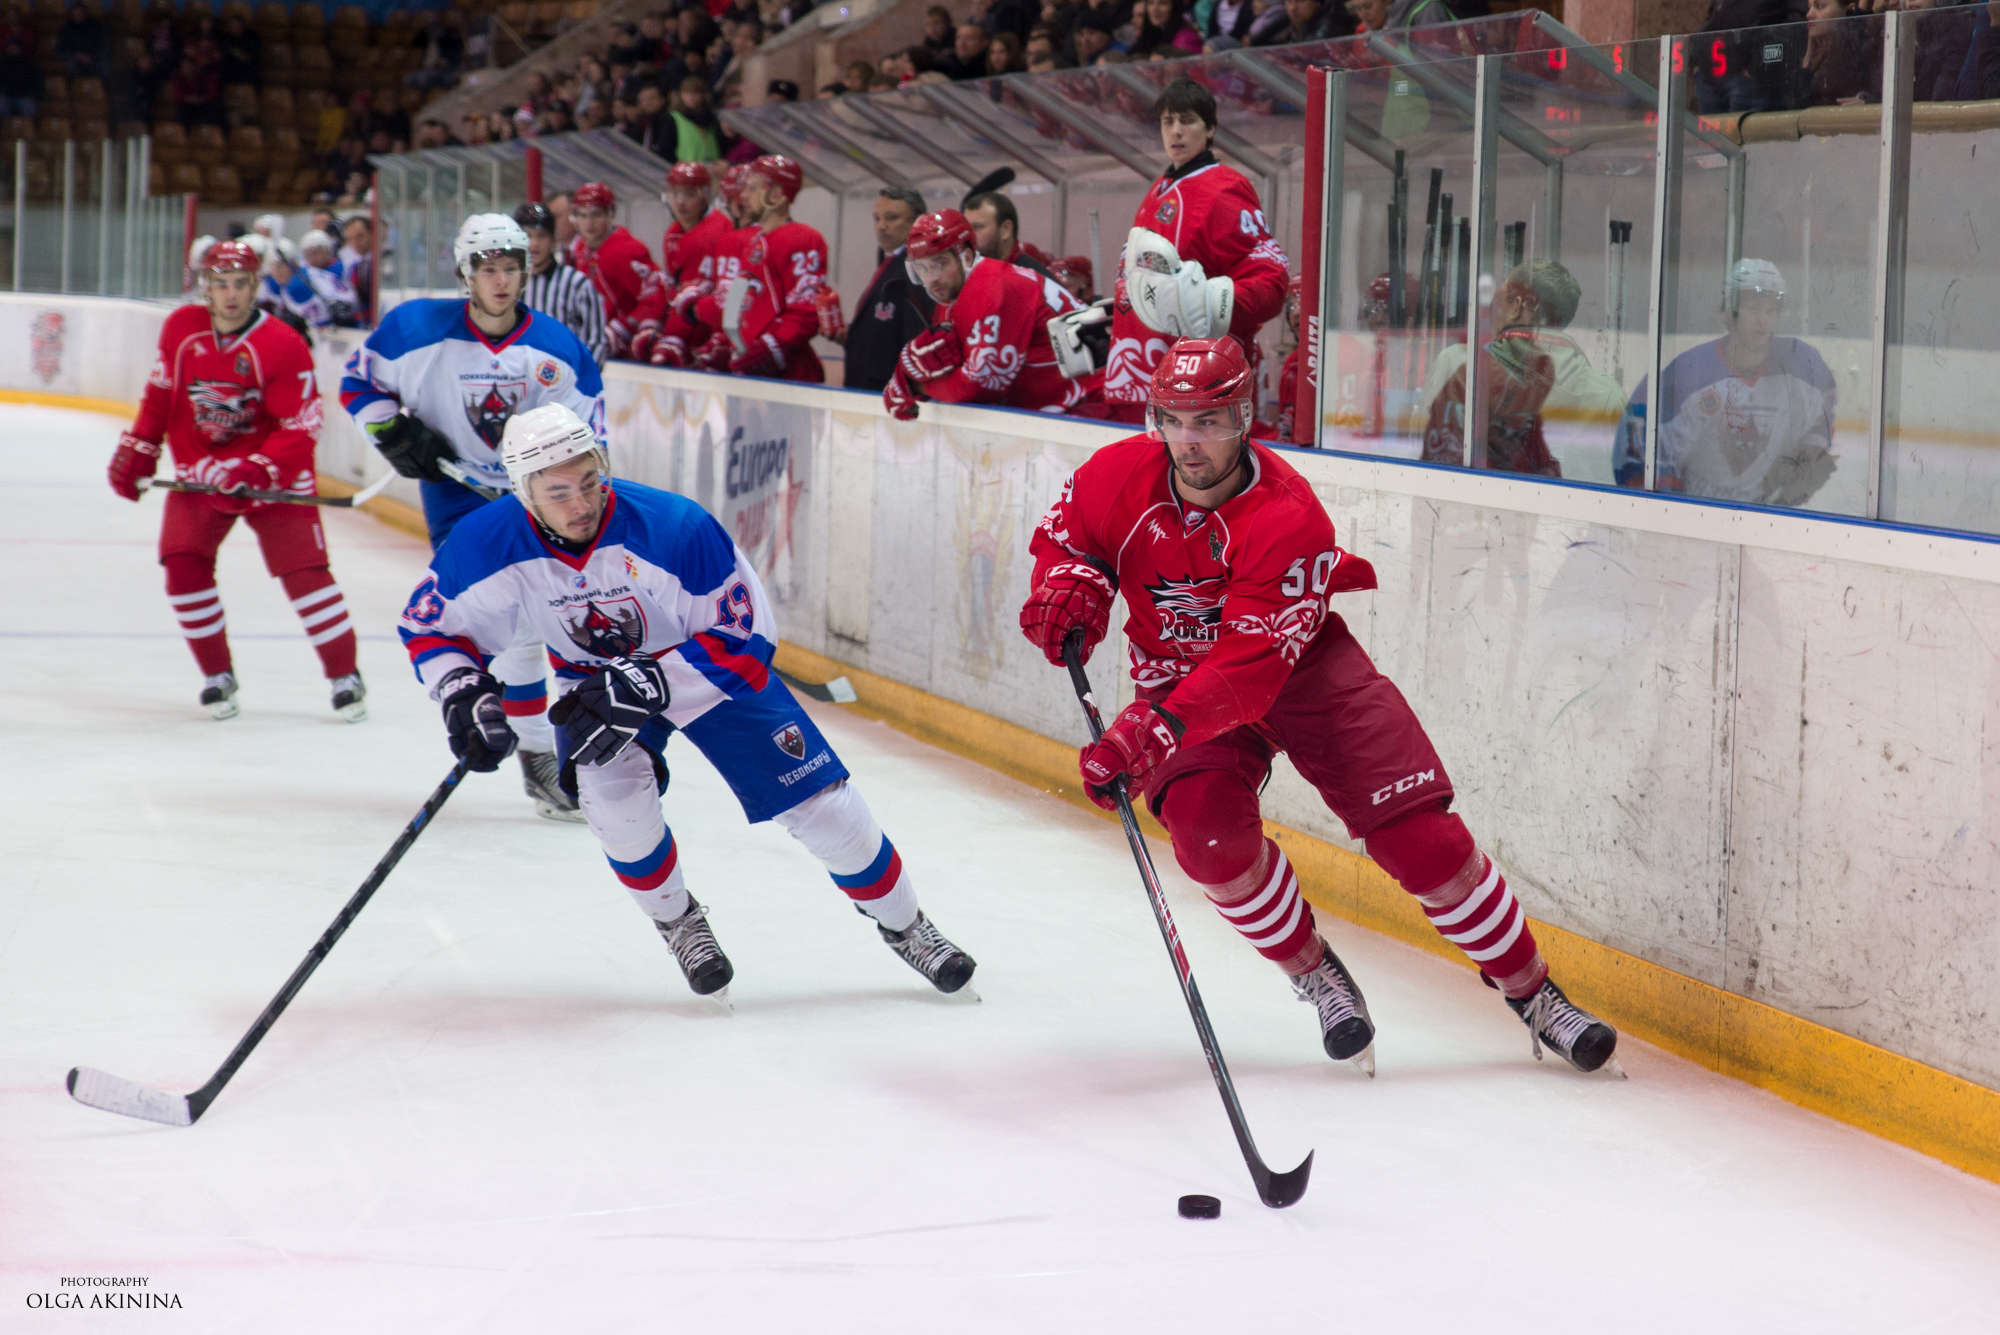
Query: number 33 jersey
[662,579]
[1221,604]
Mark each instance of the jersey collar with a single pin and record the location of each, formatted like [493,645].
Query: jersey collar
[579,560]
[520,328]
[1188,512]
[224,342]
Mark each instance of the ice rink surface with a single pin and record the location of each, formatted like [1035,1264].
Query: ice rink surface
[496,1108]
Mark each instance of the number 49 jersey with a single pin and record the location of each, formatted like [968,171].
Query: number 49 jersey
[1221,604]
[663,579]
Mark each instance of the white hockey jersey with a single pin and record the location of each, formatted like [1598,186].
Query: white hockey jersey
[428,356]
[662,579]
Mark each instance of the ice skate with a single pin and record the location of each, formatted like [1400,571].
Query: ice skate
[541,780]
[924,948]
[1577,1036]
[218,695]
[348,693]
[706,968]
[1345,1029]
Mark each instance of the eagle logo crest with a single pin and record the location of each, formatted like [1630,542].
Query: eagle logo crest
[1190,609]
[606,630]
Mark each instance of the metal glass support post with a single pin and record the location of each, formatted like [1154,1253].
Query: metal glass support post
[430,222]
[134,192]
[1737,187]
[1667,145]
[1485,194]
[1892,217]
[1062,224]
[458,171]
[1331,205]
[69,207]
[20,204]
[493,191]
[1552,209]
[104,218]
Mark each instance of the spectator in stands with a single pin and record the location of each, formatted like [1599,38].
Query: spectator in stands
[431,133]
[597,118]
[996,231]
[898,67]
[474,129]
[997,16]
[1844,70]
[697,132]
[1003,55]
[654,48]
[780,90]
[652,127]
[694,33]
[744,40]
[968,54]
[242,53]
[20,78]
[591,85]
[82,44]
[1311,21]
[539,92]
[198,81]
[1090,37]
[153,67]
[1038,56]
[554,120]
[1228,25]
[892,310]
[444,43]
[625,48]
[860,77]
[1158,27]
[940,34]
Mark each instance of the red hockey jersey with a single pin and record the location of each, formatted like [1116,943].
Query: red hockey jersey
[621,268]
[1001,318]
[786,268]
[253,392]
[687,255]
[1223,604]
[1209,213]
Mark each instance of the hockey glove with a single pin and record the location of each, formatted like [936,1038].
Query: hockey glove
[899,398]
[1072,594]
[832,320]
[600,717]
[135,460]
[690,293]
[617,338]
[933,353]
[762,358]
[713,355]
[1136,744]
[643,342]
[669,351]
[252,472]
[413,449]
[475,721]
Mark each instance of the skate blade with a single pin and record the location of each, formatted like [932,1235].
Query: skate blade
[1611,1067]
[224,709]
[1365,1062]
[721,998]
[550,811]
[354,713]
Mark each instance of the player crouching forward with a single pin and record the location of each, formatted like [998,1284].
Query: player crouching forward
[1227,562]
[655,622]
[989,337]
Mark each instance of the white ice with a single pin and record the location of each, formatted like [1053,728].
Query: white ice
[496,1108]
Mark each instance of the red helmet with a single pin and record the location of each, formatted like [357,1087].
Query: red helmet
[230,256]
[1075,264]
[939,233]
[1295,285]
[1200,373]
[690,174]
[781,172]
[594,195]
[732,180]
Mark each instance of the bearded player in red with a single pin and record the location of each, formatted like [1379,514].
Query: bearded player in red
[989,337]
[616,262]
[1199,262]
[1227,562]
[233,394]
[769,312]
[692,255]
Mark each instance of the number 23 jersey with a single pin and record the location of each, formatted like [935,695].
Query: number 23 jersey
[1221,604]
[663,579]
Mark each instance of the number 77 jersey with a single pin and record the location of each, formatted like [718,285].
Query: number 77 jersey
[1222,604]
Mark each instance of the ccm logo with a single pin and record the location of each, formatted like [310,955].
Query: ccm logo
[1404,785]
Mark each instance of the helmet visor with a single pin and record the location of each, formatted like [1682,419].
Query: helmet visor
[946,270]
[1183,426]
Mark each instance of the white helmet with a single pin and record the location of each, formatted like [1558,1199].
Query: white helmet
[269,224]
[197,250]
[1760,276]
[280,249]
[318,240]
[542,438]
[488,234]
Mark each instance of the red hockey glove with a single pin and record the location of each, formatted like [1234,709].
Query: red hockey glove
[933,353]
[1072,594]
[1136,744]
[832,320]
[899,398]
[134,460]
[762,357]
[713,355]
[643,341]
[617,338]
[669,351]
[252,472]
[689,294]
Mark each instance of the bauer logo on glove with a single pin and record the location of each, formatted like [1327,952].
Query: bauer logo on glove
[1176,297]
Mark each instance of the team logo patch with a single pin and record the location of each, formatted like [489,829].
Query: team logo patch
[606,630]
[1710,401]
[243,364]
[1190,609]
[885,311]
[582,581]
[1169,207]
[547,374]
[222,409]
[631,567]
[791,740]
[1214,545]
[487,408]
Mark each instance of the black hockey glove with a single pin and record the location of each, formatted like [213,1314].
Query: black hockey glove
[475,721]
[601,716]
[413,449]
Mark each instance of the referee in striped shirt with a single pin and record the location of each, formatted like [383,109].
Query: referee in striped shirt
[556,289]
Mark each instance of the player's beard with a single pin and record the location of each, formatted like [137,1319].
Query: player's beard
[1242,448]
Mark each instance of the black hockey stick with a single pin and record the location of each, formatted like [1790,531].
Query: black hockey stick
[1276,1190]
[839,691]
[114,1094]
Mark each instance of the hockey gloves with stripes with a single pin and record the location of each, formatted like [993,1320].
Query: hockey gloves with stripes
[643,341]
[413,449]
[1136,744]
[760,356]
[601,716]
[1072,594]
[899,398]
[135,459]
[252,472]
[933,353]
[617,338]
[475,721]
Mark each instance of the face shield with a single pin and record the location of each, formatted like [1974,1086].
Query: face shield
[938,273]
[1191,426]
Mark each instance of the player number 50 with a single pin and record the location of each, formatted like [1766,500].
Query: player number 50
[1322,575]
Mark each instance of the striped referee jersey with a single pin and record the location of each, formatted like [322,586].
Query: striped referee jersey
[569,295]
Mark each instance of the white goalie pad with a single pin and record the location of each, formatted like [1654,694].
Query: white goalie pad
[1173,296]
[1073,357]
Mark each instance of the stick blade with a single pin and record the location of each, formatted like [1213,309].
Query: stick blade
[114,1094]
[1278,1190]
[841,691]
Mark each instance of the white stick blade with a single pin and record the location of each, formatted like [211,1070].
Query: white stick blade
[100,1089]
[842,691]
[374,489]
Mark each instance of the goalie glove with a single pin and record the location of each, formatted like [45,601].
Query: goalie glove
[931,354]
[413,449]
[135,460]
[602,716]
[1173,296]
[475,721]
[1081,339]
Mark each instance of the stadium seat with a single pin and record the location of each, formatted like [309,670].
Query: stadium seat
[308,25]
[93,130]
[206,145]
[129,18]
[314,68]
[132,129]
[14,129]
[87,97]
[221,184]
[273,17]
[170,143]
[305,181]
[192,13]
[246,150]
[241,101]
[183,178]
[397,29]
[242,9]
[281,151]
[55,96]
[278,62]
[55,129]
[274,106]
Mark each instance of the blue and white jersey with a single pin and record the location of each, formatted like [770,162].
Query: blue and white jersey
[663,579]
[427,356]
[296,295]
[1723,431]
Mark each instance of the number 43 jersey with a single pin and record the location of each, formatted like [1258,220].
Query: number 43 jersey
[1221,605]
[662,579]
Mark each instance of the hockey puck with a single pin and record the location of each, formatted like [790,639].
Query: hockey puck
[1200,1207]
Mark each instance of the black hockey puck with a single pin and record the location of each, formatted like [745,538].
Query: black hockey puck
[1200,1207]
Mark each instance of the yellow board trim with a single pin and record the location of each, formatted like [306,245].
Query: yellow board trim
[81,402]
[399,515]
[1882,1092]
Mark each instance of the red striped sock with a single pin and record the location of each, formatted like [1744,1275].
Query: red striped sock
[197,605]
[1476,912]
[322,610]
[1264,904]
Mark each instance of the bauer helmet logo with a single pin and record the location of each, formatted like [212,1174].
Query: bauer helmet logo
[791,739]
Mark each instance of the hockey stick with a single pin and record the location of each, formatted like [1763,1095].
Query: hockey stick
[839,691]
[1276,1190]
[359,498]
[114,1094]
